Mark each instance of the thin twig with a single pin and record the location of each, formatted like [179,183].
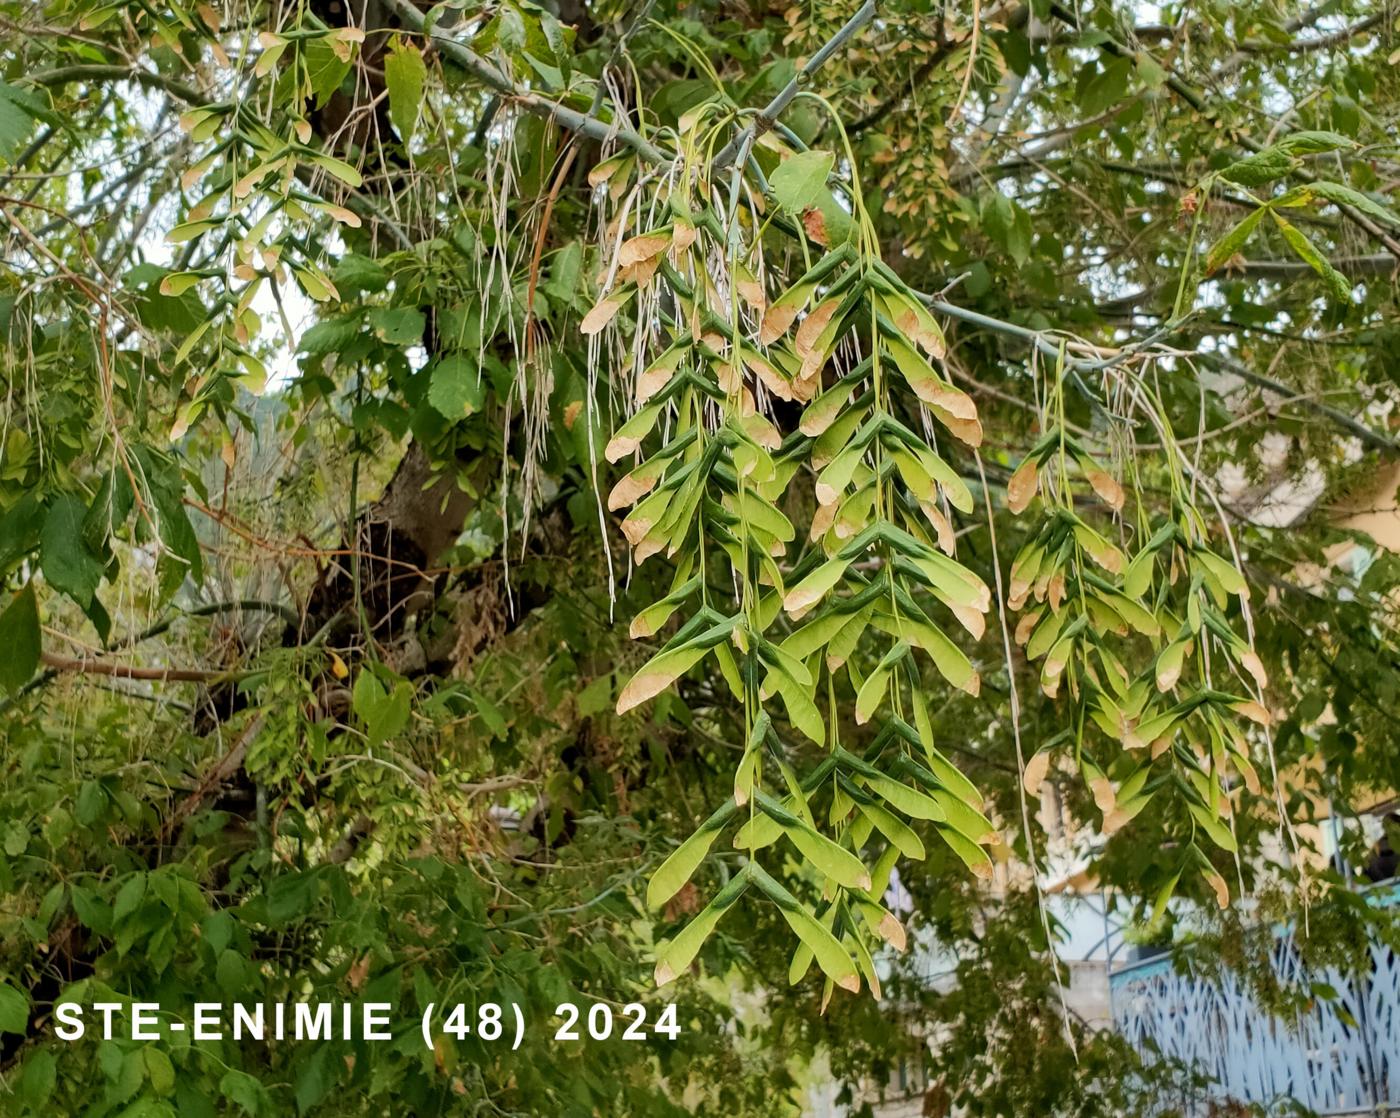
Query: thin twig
[128,671]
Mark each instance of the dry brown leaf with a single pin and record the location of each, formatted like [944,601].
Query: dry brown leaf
[1222,891]
[892,932]
[815,224]
[641,273]
[947,541]
[631,489]
[954,401]
[773,380]
[972,620]
[1106,486]
[776,320]
[750,290]
[729,377]
[1255,667]
[601,313]
[636,528]
[643,247]
[652,380]
[620,446]
[1036,770]
[646,549]
[683,236]
[810,331]
[1022,486]
[965,431]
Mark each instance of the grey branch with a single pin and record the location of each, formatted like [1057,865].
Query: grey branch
[1360,430]
[768,115]
[493,78]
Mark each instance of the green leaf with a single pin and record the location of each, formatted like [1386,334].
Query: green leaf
[1009,226]
[910,801]
[1264,167]
[676,870]
[565,280]
[1164,895]
[659,673]
[14,1010]
[331,335]
[1233,241]
[19,640]
[64,557]
[339,169]
[1337,283]
[674,957]
[91,802]
[316,1078]
[405,74]
[384,712]
[354,272]
[872,694]
[325,70]
[1107,88]
[400,326]
[230,973]
[1313,142]
[91,909]
[974,856]
[893,828]
[160,1071]
[241,1088]
[129,896]
[457,388]
[831,859]
[1213,826]
[40,1076]
[596,697]
[800,178]
[19,109]
[833,959]
[815,586]
[1226,573]
[1346,196]
[1278,159]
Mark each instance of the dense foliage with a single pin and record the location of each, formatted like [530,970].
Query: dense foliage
[522,504]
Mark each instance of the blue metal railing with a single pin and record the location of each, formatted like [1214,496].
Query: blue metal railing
[1341,1055]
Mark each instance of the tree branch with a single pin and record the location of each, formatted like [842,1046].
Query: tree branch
[583,123]
[1319,42]
[768,115]
[1360,430]
[1375,264]
[93,72]
[130,671]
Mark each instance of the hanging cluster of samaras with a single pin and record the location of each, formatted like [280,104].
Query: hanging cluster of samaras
[857,357]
